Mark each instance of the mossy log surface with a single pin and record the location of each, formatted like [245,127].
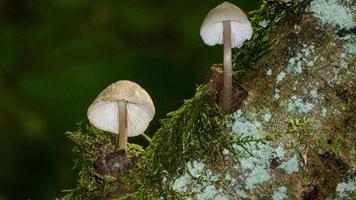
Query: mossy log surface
[292,135]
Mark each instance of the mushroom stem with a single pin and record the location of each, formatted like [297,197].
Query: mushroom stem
[122,125]
[227,91]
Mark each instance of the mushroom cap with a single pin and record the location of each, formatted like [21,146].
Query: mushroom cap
[211,29]
[103,112]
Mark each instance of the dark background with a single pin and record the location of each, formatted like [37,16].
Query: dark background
[57,55]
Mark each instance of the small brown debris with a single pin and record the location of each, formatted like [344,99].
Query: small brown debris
[310,192]
[113,164]
[333,163]
[304,154]
[216,83]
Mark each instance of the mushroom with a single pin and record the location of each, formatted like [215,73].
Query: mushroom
[123,108]
[226,24]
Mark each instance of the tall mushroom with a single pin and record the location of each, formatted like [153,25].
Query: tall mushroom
[226,24]
[123,108]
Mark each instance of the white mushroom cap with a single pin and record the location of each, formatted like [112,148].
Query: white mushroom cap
[211,30]
[103,112]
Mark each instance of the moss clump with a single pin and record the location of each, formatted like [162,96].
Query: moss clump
[196,131]
[100,164]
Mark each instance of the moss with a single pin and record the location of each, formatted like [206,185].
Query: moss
[199,127]
[265,34]
[90,145]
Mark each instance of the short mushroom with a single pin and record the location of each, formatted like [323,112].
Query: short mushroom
[226,24]
[123,108]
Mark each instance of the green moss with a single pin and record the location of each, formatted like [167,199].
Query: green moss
[196,131]
[91,145]
[264,34]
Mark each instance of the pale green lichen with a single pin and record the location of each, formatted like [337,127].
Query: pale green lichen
[257,176]
[256,158]
[334,13]
[195,168]
[210,192]
[241,193]
[350,44]
[310,64]
[280,193]
[279,152]
[314,93]
[291,165]
[243,127]
[276,95]
[344,189]
[295,65]
[181,183]
[324,111]
[198,180]
[295,85]
[269,72]
[267,117]
[280,76]
[298,105]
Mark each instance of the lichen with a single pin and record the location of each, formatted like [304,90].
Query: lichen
[334,13]
[200,180]
[257,176]
[324,112]
[256,157]
[280,76]
[296,104]
[291,165]
[280,193]
[267,117]
[276,95]
[180,184]
[344,189]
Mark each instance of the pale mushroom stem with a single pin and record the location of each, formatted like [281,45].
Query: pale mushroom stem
[227,91]
[122,125]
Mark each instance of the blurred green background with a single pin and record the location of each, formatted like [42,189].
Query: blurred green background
[57,55]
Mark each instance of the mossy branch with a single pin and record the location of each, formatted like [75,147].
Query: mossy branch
[196,131]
